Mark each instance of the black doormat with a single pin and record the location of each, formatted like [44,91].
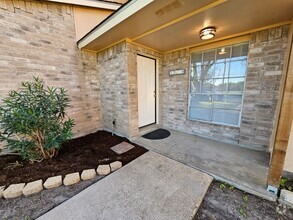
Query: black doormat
[157,134]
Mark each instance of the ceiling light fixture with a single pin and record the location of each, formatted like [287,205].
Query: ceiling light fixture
[223,51]
[207,33]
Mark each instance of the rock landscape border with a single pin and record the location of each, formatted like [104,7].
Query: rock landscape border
[26,189]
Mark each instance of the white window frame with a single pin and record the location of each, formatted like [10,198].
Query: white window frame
[215,46]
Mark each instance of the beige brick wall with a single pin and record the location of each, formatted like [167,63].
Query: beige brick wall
[37,38]
[264,72]
[117,67]
[265,64]
[118,73]
[112,70]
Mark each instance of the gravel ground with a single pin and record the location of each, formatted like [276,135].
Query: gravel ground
[31,207]
[222,202]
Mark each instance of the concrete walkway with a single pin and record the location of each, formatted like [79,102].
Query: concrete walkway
[150,187]
[244,168]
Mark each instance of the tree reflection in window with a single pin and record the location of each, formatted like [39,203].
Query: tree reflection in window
[217,79]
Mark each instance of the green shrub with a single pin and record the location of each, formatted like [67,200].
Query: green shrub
[33,120]
[286,184]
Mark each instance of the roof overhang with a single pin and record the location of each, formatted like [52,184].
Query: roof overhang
[113,20]
[168,25]
[91,3]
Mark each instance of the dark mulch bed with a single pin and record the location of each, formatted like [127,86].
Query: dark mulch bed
[230,203]
[76,155]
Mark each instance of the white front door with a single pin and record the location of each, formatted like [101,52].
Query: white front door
[146,80]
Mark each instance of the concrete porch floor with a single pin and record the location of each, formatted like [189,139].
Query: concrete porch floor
[246,169]
[150,187]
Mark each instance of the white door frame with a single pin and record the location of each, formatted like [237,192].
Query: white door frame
[156,88]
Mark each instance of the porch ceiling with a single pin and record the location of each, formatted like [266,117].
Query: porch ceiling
[165,25]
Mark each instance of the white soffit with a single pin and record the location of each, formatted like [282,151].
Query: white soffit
[129,9]
[231,18]
[90,3]
[163,28]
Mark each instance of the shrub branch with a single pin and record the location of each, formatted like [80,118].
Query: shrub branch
[33,121]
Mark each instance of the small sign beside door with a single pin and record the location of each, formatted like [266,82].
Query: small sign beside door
[177,72]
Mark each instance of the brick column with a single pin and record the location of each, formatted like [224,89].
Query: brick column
[284,124]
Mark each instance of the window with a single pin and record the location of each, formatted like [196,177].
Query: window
[217,79]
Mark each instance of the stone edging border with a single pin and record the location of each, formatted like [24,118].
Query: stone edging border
[16,190]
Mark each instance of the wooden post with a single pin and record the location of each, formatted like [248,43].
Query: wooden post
[284,122]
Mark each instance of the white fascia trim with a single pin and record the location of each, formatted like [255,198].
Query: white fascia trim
[119,16]
[90,3]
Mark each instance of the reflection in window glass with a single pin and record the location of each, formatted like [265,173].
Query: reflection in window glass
[195,87]
[217,83]
[220,85]
[235,99]
[196,71]
[207,72]
[200,100]
[196,58]
[209,57]
[226,102]
[223,54]
[238,68]
[207,86]
[239,51]
[236,85]
[225,116]
[201,113]
[221,70]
